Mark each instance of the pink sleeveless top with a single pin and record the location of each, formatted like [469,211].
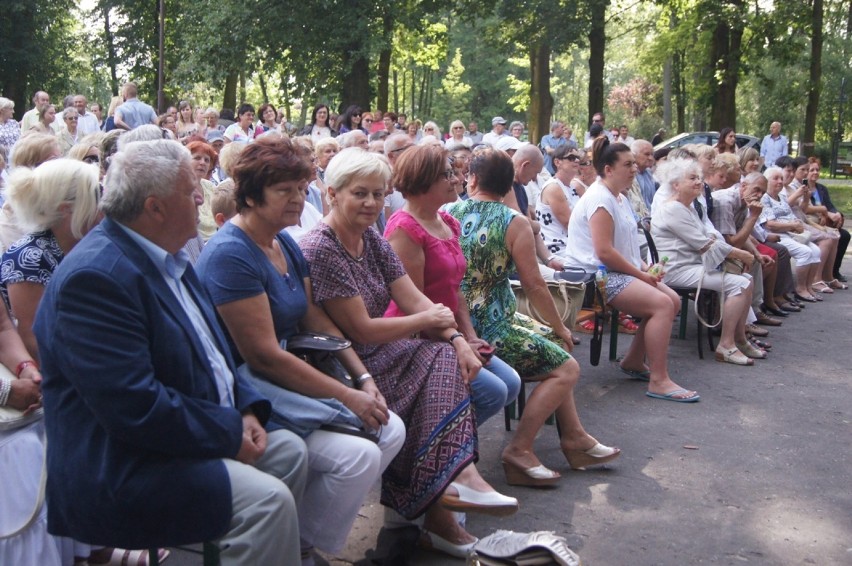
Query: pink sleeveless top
[444,264]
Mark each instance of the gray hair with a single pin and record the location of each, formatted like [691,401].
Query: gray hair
[674,170]
[555,124]
[349,139]
[772,171]
[148,132]
[70,111]
[354,163]
[141,170]
[753,178]
[396,141]
[637,145]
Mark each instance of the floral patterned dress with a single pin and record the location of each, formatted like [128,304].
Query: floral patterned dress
[420,379]
[519,341]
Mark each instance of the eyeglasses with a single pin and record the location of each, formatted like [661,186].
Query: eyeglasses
[71,118]
[92,159]
[370,120]
[401,148]
[572,158]
[585,163]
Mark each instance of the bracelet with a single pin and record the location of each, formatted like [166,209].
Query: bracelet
[24,365]
[362,379]
[454,336]
[5,390]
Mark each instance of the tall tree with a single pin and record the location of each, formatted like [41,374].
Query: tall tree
[814,84]
[724,64]
[597,49]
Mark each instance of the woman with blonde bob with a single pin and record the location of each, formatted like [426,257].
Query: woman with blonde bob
[57,203]
[457,136]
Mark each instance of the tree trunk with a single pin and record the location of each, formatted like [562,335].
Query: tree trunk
[667,94]
[422,98]
[680,92]
[263,92]
[814,80]
[242,86]
[396,91]
[110,44]
[230,98]
[356,82]
[541,101]
[725,54]
[597,48]
[383,73]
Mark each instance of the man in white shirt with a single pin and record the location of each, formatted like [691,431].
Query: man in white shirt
[498,129]
[624,136]
[87,123]
[773,146]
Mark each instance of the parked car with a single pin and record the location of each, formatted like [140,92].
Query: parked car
[706,138]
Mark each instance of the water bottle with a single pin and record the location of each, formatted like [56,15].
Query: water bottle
[659,267]
[600,282]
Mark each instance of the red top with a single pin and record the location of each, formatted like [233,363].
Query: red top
[444,265]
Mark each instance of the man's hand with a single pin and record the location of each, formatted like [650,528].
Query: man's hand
[254,440]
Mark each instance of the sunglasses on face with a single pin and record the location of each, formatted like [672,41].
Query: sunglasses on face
[92,159]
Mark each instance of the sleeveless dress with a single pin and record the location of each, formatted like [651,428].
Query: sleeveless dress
[420,379]
[518,340]
[553,232]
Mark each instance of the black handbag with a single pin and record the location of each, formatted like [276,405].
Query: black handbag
[318,350]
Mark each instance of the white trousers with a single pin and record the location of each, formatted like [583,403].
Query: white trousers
[342,470]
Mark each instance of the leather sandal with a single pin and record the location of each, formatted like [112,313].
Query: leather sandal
[733,356]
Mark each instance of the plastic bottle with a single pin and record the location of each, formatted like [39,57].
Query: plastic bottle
[600,282]
[659,267]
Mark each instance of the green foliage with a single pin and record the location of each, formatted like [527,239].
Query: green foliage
[37,40]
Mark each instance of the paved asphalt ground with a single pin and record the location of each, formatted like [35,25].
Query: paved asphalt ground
[757,472]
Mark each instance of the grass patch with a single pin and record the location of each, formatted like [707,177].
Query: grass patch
[841,196]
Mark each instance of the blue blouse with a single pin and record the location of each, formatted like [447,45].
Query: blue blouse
[232,267]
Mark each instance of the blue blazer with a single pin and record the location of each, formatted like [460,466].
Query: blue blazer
[135,430]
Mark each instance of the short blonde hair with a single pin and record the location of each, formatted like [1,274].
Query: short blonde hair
[6,103]
[323,143]
[37,195]
[34,149]
[223,200]
[354,163]
[228,156]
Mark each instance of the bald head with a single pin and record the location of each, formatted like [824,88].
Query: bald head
[527,162]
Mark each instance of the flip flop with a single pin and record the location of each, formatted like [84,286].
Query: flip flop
[640,375]
[670,396]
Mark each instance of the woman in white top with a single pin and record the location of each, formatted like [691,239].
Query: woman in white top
[557,199]
[457,136]
[695,254]
[603,232]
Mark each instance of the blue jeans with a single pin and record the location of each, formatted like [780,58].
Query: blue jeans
[495,386]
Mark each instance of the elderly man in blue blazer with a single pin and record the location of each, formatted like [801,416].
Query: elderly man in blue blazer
[153,438]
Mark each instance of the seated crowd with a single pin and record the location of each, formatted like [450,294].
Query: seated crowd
[159,273]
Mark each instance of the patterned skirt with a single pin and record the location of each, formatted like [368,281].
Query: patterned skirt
[422,383]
